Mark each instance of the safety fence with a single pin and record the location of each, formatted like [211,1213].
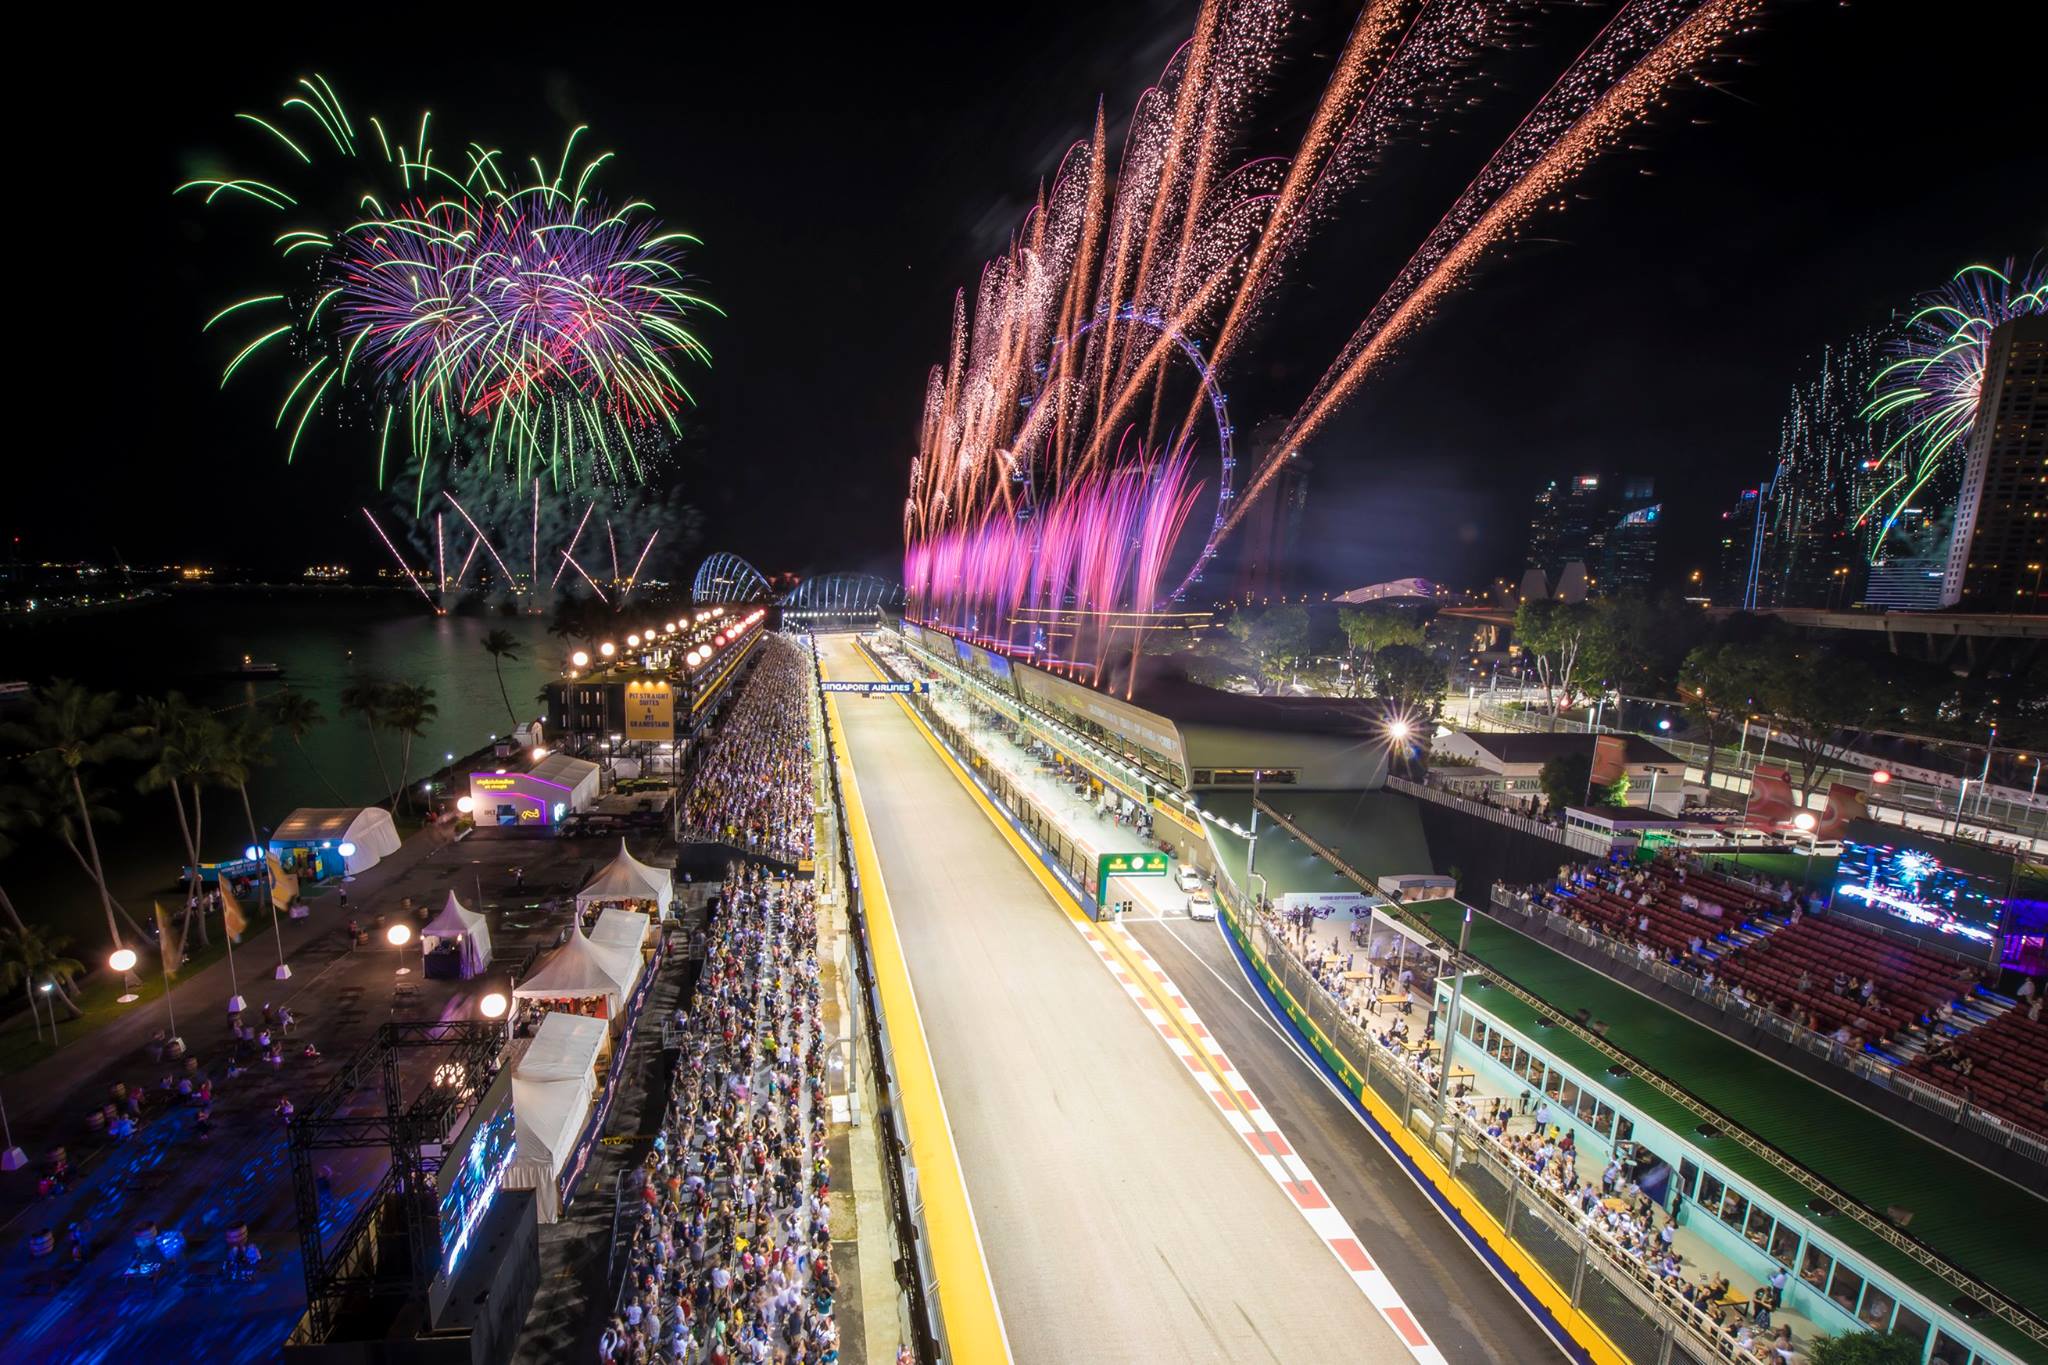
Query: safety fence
[1868,1066]
[1639,1314]
[916,1272]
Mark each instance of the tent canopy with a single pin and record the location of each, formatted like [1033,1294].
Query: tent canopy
[552,1085]
[564,1048]
[620,935]
[368,828]
[575,971]
[626,878]
[579,775]
[466,926]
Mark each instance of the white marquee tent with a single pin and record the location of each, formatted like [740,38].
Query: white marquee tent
[553,1087]
[626,878]
[621,935]
[579,970]
[467,928]
[368,829]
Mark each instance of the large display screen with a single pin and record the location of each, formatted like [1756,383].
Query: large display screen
[474,1169]
[1938,888]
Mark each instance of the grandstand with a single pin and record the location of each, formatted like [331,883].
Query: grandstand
[1873,1221]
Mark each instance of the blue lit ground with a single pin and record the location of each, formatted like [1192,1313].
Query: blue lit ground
[51,1310]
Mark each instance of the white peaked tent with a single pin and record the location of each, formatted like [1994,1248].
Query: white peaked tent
[626,878]
[467,928]
[621,935]
[367,828]
[578,970]
[552,1089]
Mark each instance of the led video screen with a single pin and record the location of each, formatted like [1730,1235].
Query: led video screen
[1937,888]
[474,1169]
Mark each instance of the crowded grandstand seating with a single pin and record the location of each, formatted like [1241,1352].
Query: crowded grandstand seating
[1802,965]
[1679,905]
[1763,942]
[2001,1067]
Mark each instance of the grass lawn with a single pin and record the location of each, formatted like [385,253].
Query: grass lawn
[20,1048]
[1813,872]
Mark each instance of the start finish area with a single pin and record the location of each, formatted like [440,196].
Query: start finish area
[1121,1217]
[1121,865]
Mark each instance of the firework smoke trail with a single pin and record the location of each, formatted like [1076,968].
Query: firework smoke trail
[465,300]
[1648,45]
[633,579]
[479,534]
[573,542]
[399,559]
[571,559]
[1931,392]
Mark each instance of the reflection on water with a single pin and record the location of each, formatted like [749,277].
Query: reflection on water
[322,641]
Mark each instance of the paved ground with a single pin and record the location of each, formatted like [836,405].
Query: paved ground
[165,1173]
[1121,1217]
[1467,1312]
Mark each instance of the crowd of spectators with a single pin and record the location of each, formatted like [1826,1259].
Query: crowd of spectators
[1529,1135]
[731,1256]
[753,788]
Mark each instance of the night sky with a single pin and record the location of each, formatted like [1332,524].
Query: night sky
[848,174]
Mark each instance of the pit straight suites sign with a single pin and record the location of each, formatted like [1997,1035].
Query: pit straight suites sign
[650,710]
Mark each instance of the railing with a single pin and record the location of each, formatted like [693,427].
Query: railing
[1621,1296]
[1583,841]
[1873,1069]
[917,1273]
[2004,812]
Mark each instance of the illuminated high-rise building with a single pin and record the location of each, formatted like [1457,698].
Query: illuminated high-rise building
[1997,555]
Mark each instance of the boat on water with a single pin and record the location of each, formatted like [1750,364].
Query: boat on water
[255,668]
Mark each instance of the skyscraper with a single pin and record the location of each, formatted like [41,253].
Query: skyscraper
[1568,525]
[1739,530]
[1825,446]
[1545,528]
[1996,558]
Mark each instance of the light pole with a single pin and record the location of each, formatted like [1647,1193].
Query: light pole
[1443,1073]
[398,935]
[1962,791]
[1251,855]
[261,853]
[1654,772]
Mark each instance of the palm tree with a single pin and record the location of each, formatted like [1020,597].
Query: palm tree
[408,710]
[38,958]
[501,645]
[369,698]
[52,804]
[71,731]
[244,745]
[186,752]
[17,812]
[299,714]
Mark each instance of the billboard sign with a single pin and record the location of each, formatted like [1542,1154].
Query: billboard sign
[650,710]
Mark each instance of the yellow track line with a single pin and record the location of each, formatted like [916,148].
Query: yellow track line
[967,1295]
[1064,899]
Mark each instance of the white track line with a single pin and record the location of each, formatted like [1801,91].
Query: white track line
[1247,1116]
